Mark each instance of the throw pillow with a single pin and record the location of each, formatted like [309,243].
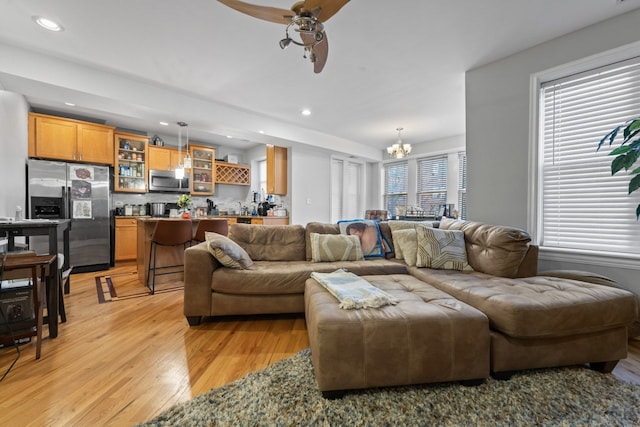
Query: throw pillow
[441,249]
[367,230]
[335,247]
[406,242]
[397,225]
[228,252]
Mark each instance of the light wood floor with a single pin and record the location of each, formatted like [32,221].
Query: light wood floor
[126,361]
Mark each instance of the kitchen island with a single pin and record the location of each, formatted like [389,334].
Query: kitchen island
[174,255]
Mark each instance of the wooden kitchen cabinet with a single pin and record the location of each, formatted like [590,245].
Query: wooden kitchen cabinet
[276,170]
[163,158]
[126,239]
[203,173]
[59,138]
[231,173]
[131,163]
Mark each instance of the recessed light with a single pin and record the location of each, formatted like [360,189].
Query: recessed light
[70,104]
[164,123]
[261,131]
[47,24]
[305,112]
[229,136]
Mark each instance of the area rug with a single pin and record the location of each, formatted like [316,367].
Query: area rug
[286,394]
[117,287]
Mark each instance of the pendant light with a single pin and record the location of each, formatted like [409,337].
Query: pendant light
[179,172]
[187,157]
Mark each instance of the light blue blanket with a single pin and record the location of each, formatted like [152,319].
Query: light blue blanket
[353,291]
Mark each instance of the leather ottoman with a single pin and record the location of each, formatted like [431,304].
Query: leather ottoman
[427,337]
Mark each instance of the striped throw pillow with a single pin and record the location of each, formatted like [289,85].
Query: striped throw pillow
[335,247]
[441,249]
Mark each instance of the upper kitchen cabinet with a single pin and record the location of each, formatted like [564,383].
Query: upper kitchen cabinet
[276,170]
[163,158]
[131,163]
[203,174]
[231,173]
[58,138]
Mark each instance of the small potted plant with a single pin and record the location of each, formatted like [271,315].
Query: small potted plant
[183,202]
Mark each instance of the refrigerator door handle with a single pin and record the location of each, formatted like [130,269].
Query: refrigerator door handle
[69,209]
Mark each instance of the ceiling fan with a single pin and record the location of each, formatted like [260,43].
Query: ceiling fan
[306,17]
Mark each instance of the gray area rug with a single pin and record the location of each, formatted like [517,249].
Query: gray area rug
[286,394]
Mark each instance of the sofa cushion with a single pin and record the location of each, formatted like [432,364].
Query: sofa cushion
[406,242]
[288,277]
[492,249]
[441,249]
[335,247]
[270,242]
[227,252]
[403,225]
[320,228]
[371,240]
[536,307]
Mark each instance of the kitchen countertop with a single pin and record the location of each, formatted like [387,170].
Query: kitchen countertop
[154,218]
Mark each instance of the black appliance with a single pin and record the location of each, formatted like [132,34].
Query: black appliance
[263,208]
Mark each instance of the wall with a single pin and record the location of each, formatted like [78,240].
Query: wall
[310,181]
[13,145]
[497,127]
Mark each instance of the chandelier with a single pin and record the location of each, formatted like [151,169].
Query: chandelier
[399,150]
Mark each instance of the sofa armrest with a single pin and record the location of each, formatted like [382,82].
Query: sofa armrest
[199,266]
[529,265]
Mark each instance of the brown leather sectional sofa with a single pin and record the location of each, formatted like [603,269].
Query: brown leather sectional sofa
[531,321]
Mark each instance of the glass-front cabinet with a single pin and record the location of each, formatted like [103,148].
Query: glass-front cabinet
[130,163]
[203,172]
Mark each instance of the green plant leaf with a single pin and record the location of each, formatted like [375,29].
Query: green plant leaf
[620,150]
[629,136]
[638,213]
[634,125]
[610,136]
[630,158]
[634,184]
[636,171]
[617,164]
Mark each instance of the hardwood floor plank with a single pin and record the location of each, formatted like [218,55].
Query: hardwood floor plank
[125,361]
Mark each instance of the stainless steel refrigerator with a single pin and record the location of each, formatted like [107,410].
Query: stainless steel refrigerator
[79,192]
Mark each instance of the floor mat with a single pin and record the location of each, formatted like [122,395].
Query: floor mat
[116,287]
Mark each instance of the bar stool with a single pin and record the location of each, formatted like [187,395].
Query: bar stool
[167,233]
[215,225]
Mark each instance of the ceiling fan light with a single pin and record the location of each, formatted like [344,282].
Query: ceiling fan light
[284,43]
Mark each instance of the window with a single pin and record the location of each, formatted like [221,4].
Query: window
[262,177]
[396,186]
[462,185]
[583,207]
[432,183]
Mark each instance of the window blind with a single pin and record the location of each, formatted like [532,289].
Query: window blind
[432,183]
[462,185]
[583,206]
[396,185]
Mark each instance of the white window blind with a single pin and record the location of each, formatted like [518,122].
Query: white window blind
[584,208]
[396,185]
[432,183]
[353,191]
[337,179]
[462,185]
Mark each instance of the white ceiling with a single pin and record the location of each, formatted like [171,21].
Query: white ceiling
[391,63]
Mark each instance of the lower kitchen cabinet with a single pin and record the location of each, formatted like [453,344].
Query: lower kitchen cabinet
[126,240]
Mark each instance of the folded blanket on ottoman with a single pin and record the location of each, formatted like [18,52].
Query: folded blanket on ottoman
[353,291]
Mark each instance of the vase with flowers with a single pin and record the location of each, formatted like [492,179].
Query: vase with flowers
[184,202]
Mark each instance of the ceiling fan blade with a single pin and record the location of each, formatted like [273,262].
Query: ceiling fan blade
[324,9]
[272,14]
[320,50]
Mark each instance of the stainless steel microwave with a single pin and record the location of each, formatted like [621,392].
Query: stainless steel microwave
[166,182]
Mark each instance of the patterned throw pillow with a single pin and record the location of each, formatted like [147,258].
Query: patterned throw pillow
[335,247]
[228,252]
[371,241]
[441,249]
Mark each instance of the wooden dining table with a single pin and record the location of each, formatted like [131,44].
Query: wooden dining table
[53,229]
